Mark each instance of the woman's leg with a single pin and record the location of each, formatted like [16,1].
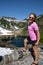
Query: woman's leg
[25,44]
[35,54]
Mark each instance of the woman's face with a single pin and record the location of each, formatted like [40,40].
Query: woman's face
[31,18]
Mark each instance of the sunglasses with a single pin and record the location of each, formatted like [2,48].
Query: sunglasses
[31,18]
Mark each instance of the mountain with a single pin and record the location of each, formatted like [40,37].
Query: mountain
[9,22]
[40,23]
[12,23]
[5,32]
[9,19]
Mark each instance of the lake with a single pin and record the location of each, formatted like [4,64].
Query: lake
[18,41]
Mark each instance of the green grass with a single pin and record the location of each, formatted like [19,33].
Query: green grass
[41,39]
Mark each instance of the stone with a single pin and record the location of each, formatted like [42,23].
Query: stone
[6,59]
[18,57]
[20,54]
[1,58]
[10,57]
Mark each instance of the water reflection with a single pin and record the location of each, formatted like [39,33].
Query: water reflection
[16,41]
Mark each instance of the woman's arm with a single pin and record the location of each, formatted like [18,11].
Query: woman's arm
[38,36]
[36,28]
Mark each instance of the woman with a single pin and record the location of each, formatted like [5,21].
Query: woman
[34,36]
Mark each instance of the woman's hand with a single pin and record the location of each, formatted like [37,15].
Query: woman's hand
[36,43]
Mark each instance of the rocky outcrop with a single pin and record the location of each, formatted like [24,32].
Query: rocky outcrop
[18,57]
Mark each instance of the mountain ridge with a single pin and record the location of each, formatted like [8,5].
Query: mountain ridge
[23,23]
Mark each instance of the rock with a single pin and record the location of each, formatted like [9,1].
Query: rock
[39,49]
[18,57]
[40,56]
[10,57]
[6,59]
[20,54]
[1,58]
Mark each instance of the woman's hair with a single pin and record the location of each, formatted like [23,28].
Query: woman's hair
[34,16]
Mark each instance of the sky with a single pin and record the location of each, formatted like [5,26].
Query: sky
[20,9]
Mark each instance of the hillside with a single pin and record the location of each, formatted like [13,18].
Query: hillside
[4,22]
[40,23]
